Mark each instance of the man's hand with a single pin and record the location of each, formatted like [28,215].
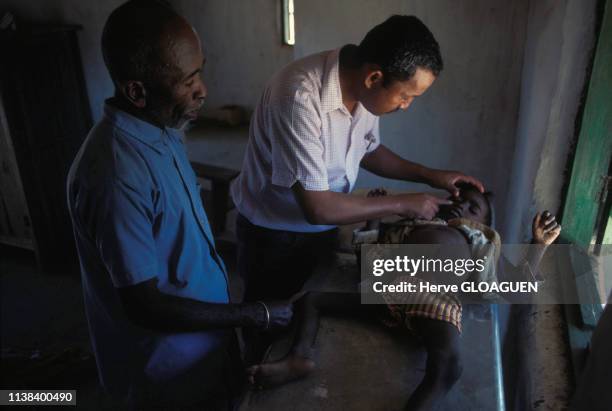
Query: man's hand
[420,205]
[448,181]
[281,313]
[545,228]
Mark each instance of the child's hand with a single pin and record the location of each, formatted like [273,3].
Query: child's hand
[545,228]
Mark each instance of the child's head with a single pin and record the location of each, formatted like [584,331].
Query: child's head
[470,204]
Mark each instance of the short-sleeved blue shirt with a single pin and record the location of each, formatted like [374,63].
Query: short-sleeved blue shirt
[137,215]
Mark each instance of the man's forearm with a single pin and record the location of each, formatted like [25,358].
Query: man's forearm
[180,314]
[330,208]
[385,163]
[149,308]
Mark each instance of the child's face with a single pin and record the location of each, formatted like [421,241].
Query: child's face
[470,204]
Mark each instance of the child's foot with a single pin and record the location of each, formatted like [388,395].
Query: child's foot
[279,372]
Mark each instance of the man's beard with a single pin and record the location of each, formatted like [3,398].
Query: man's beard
[180,119]
[183,124]
[167,111]
[174,118]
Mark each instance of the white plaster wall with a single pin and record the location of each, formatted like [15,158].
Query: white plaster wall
[560,38]
[467,120]
[243,46]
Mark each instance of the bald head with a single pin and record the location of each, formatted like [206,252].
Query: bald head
[155,60]
[139,40]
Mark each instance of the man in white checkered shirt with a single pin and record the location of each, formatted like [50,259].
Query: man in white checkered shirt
[314,127]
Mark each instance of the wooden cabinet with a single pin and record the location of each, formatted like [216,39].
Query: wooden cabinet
[44,118]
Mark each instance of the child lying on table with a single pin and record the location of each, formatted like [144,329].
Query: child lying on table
[438,323]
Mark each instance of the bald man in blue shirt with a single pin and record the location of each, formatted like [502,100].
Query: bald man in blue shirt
[156,290]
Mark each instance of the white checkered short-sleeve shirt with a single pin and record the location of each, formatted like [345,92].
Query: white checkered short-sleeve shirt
[301,132]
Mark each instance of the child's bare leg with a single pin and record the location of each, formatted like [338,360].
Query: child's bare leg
[300,360]
[443,363]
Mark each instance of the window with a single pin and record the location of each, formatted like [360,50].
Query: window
[587,218]
[288,23]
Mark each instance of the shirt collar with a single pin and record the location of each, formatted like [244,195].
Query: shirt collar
[331,93]
[139,129]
